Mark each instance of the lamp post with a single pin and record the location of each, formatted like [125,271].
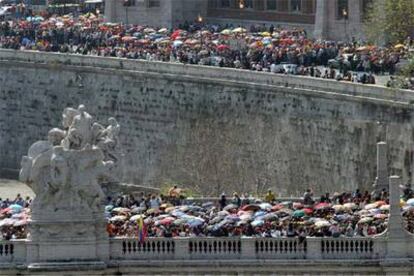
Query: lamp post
[241,7]
[345,16]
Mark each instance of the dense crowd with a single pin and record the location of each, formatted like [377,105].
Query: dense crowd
[14,215]
[339,215]
[259,48]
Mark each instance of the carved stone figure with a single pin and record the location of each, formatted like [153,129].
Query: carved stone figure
[65,171]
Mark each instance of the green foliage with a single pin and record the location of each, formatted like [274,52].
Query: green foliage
[408,69]
[389,21]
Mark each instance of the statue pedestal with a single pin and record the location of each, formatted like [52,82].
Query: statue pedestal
[58,241]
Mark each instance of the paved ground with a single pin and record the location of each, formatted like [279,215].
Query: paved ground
[10,188]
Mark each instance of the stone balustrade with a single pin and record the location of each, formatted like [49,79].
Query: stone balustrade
[13,251]
[196,248]
[304,84]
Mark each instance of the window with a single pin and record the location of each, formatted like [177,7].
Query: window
[342,9]
[296,5]
[153,3]
[271,4]
[225,3]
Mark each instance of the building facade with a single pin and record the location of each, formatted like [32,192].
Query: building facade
[328,19]
[156,13]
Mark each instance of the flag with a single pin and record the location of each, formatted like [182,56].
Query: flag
[142,231]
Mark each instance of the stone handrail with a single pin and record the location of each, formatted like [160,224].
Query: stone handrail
[297,84]
[12,251]
[246,248]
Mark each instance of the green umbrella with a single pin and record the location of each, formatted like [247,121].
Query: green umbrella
[299,213]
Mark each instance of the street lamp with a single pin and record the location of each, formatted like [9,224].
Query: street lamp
[345,16]
[199,19]
[241,7]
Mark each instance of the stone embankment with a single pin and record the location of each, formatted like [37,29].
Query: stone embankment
[212,129]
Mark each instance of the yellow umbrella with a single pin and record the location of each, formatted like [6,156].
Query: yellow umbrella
[399,46]
[226,32]
[239,30]
[265,34]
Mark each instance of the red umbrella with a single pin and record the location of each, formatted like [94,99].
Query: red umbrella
[251,207]
[277,207]
[308,211]
[167,221]
[223,47]
[176,34]
[322,205]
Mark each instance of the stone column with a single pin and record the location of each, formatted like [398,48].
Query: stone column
[321,19]
[248,250]
[381,182]
[314,250]
[397,238]
[110,10]
[354,24]
[181,251]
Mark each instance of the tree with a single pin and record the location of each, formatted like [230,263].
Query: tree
[389,21]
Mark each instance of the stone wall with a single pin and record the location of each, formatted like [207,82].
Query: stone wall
[211,129]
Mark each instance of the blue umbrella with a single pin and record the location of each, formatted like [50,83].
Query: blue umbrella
[256,223]
[16,208]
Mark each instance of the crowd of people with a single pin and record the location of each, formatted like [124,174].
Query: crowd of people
[14,216]
[340,215]
[260,48]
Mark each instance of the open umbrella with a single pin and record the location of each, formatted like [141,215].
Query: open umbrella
[256,223]
[138,210]
[7,222]
[121,210]
[128,38]
[371,206]
[410,202]
[167,221]
[350,206]
[225,32]
[136,217]
[308,211]
[265,206]
[163,31]
[251,207]
[299,213]
[20,223]
[239,30]
[322,223]
[297,205]
[385,207]
[230,207]
[365,220]
[177,43]
[322,206]
[118,218]
[399,46]
[222,47]
[381,216]
[16,208]
[277,207]
[339,208]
